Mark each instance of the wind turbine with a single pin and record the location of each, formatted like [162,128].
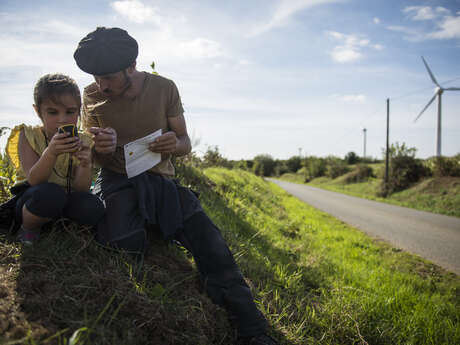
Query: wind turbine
[437,93]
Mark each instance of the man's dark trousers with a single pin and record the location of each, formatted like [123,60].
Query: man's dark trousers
[221,276]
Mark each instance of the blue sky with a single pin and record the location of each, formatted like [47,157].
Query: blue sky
[274,77]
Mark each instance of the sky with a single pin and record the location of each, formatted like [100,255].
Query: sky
[277,77]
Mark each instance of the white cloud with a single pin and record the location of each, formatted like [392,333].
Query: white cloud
[449,28]
[171,40]
[442,10]
[420,12]
[425,12]
[336,35]
[447,25]
[44,45]
[410,34]
[376,20]
[200,48]
[345,54]
[136,11]
[350,48]
[359,98]
[284,11]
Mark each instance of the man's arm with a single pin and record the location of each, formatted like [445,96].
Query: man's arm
[105,139]
[176,141]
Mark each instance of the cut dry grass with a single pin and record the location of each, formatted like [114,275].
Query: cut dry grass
[67,287]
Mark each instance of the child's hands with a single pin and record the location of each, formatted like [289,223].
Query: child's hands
[62,143]
[84,155]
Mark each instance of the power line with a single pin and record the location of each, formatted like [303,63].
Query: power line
[420,90]
[379,109]
[350,133]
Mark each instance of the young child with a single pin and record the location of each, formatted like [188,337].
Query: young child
[57,166]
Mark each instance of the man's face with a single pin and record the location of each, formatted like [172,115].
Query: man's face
[113,85]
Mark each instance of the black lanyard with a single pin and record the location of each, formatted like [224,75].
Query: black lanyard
[69,170]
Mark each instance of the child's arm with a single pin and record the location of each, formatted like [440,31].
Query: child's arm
[38,168]
[83,172]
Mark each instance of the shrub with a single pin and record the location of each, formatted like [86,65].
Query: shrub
[336,167]
[361,173]
[264,165]
[351,158]
[370,160]
[213,157]
[303,172]
[281,168]
[7,177]
[293,164]
[257,168]
[7,171]
[315,167]
[404,169]
[241,164]
[444,166]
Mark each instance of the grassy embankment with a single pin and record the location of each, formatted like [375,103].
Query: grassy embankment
[438,195]
[317,280]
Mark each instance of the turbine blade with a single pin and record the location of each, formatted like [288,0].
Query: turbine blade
[453,89]
[426,106]
[430,73]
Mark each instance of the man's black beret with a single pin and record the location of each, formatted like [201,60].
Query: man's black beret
[105,51]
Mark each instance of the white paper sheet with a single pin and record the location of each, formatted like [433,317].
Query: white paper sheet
[138,157]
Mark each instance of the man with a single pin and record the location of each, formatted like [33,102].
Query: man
[125,104]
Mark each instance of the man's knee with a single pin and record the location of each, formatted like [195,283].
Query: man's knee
[202,235]
[122,227]
[84,208]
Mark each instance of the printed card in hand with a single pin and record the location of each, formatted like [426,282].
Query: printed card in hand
[138,157]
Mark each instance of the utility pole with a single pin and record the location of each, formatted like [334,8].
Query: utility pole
[364,153]
[300,152]
[387,152]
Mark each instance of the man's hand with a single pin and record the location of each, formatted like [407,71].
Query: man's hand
[105,139]
[166,143]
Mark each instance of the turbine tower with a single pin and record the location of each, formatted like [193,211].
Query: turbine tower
[437,93]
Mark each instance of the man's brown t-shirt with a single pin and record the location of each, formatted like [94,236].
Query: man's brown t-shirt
[133,118]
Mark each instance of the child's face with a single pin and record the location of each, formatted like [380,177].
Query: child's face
[54,115]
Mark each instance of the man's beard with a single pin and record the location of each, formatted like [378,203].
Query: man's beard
[127,84]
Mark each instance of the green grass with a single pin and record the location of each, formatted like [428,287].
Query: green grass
[437,195]
[317,280]
[331,283]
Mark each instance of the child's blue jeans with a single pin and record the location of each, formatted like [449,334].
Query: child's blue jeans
[49,200]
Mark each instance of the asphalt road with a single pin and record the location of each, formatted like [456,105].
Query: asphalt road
[431,236]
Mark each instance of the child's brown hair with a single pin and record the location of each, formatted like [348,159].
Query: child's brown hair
[52,86]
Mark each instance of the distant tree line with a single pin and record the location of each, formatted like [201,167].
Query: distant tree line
[404,168]
[266,165]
